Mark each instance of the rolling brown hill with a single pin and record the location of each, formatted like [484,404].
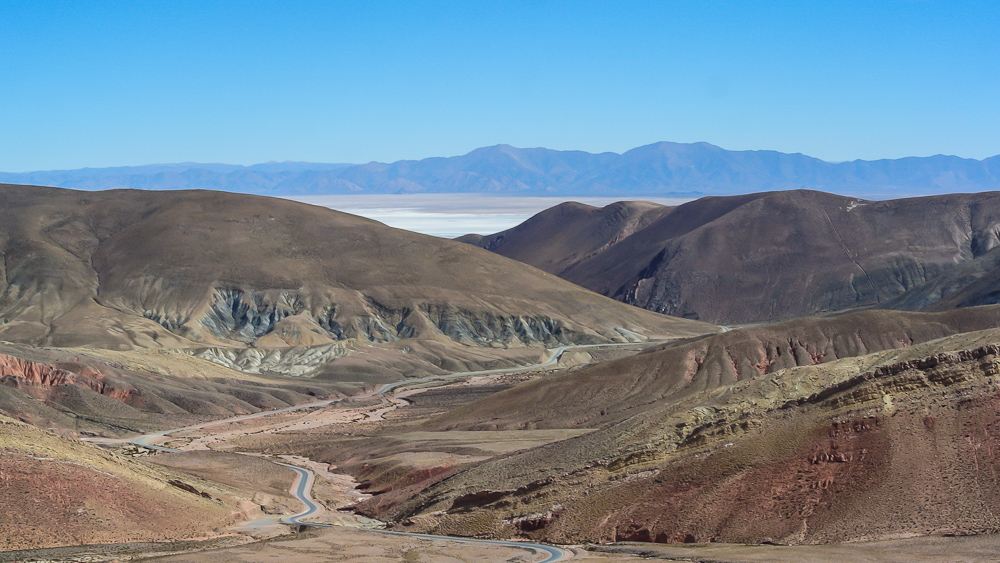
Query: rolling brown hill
[771,256]
[557,238]
[268,288]
[608,392]
[895,438]
[58,491]
[126,269]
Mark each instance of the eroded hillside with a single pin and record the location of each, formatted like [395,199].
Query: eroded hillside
[608,392]
[881,445]
[83,394]
[126,268]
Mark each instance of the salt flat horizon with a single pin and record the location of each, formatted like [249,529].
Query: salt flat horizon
[454,215]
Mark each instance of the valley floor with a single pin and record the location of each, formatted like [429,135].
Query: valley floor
[349,545]
[388,428]
[346,544]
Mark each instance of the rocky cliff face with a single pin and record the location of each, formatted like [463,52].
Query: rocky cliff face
[81,393]
[247,317]
[291,361]
[38,379]
[236,315]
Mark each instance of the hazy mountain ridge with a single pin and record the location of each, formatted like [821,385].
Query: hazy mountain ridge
[658,169]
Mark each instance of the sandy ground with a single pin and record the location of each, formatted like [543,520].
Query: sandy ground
[491,441]
[333,492]
[216,437]
[345,544]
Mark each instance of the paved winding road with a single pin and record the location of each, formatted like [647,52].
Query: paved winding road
[301,487]
[304,480]
[303,484]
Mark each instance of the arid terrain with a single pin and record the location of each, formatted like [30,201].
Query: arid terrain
[132,269]
[770,256]
[194,375]
[832,446]
[60,491]
[389,422]
[500,282]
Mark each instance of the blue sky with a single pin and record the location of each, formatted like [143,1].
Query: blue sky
[125,83]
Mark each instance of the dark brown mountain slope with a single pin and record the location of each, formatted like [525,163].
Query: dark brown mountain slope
[570,232]
[777,255]
[131,268]
[975,282]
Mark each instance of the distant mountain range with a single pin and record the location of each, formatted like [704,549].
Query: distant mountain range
[660,169]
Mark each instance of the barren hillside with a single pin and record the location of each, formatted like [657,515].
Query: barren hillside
[773,256]
[877,446]
[60,491]
[607,392]
[126,268]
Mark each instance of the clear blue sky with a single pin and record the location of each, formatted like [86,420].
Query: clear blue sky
[122,83]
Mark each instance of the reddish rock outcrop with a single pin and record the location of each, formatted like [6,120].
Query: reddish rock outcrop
[37,379]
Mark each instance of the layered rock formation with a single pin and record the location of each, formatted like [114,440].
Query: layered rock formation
[882,445]
[609,392]
[82,394]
